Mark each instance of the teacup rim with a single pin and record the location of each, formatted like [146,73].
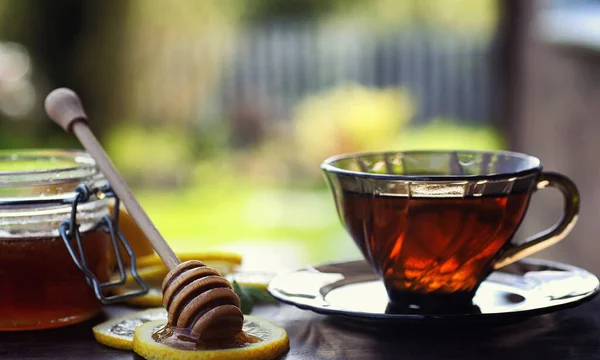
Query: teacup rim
[327,166]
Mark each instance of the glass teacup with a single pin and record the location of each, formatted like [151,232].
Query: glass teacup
[435,224]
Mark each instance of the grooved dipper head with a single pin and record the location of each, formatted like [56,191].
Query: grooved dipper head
[199,299]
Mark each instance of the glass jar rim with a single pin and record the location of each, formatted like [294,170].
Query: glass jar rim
[60,165]
[36,188]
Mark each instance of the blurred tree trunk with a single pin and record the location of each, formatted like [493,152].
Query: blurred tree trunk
[72,43]
[556,102]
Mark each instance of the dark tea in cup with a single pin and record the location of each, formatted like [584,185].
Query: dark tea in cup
[433,225]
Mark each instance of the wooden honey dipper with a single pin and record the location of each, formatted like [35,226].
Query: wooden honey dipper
[197,298]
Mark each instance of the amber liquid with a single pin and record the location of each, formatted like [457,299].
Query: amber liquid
[431,245]
[179,339]
[40,286]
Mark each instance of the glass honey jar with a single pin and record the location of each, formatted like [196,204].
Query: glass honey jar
[57,240]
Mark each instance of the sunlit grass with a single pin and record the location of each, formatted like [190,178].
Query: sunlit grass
[221,215]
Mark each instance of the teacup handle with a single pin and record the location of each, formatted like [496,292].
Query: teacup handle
[553,235]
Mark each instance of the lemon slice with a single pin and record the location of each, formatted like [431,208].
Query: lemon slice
[153,276]
[223,262]
[158,272]
[132,232]
[152,298]
[118,332]
[273,342]
[150,273]
[259,280]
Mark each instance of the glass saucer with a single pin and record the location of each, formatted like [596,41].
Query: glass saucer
[352,290]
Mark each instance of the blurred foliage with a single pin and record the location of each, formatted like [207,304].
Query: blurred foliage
[450,134]
[476,16]
[264,10]
[351,118]
[348,118]
[151,156]
[176,54]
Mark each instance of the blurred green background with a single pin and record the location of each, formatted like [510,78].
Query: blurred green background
[219,113]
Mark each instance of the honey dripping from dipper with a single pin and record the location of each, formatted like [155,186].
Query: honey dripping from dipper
[204,311]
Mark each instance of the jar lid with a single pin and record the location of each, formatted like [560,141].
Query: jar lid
[35,186]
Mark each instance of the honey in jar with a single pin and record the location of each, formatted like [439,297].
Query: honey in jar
[40,285]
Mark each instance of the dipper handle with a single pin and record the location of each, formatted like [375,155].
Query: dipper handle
[64,107]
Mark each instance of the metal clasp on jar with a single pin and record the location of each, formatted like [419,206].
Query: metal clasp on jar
[69,230]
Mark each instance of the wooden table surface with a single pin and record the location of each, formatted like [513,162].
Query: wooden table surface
[568,334]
